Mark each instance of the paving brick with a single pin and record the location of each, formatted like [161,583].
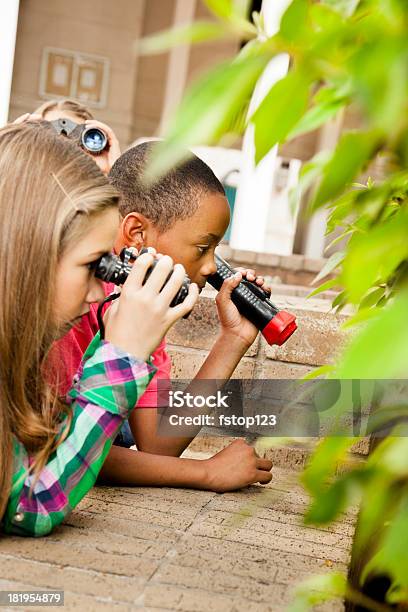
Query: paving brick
[139,515]
[178,549]
[219,582]
[72,601]
[142,529]
[49,576]
[159,595]
[274,542]
[204,602]
[75,555]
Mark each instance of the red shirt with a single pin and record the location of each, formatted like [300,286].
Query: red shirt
[70,349]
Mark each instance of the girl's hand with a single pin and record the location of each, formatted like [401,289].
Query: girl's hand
[140,318]
[236,466]
[110,154]
[232,322]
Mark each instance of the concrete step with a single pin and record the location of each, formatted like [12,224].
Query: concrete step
[316,341]
[290,269]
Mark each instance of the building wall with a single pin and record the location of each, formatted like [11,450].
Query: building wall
[99,27]
[152,72]
[207,55]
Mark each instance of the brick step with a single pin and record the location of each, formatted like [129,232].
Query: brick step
[315,343]
[291,269]
[297,290]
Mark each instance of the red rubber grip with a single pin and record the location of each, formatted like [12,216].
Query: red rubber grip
[280,328]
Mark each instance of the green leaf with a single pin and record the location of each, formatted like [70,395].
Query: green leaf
[378,498]
[341,210]
[372,298]
[225,9]
[392,558]
[200,31]
[373,256]
[294,25]
[362,316]
[331,264]
[207,109]
[233,12]
[328,101]
[318,589]
[316,117]
[381,349]
[344,7]
[339,238]
[278,112]
[345,490]
[324,461]
[394,457]
[321,371]
[340,300]
[324,287]
[381,79]
[354,150]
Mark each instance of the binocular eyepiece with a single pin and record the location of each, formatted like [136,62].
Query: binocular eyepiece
[92,139]
[113,269]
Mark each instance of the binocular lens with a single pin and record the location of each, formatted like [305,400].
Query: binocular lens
[94,140]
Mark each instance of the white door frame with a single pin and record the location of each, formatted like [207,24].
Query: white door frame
[8,31]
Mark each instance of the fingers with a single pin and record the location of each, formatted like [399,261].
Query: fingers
[264,477]
[263,464]
[251,275]
[174,283]
[138,271]
[160,273]
[187,305]
[228,287]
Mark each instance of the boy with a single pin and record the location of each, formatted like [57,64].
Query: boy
[184,215]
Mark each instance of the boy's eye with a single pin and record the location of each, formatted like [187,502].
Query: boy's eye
[202,249]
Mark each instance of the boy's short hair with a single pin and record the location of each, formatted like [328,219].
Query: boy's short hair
[173,197]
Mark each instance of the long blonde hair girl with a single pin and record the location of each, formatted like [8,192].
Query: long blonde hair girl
[49,192]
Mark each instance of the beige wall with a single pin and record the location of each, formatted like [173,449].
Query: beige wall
[152,71]
[103,27]
[205,56]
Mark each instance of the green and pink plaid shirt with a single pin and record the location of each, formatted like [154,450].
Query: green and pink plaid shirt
[106,388]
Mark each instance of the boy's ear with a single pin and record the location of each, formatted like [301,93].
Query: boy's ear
[133,230]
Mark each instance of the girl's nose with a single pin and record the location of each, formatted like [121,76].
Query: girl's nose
[96,291]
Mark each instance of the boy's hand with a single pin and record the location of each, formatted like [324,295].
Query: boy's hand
[236,466]
[232,322]
[107,158]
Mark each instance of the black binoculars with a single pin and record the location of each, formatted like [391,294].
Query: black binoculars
[92,139]
[250,299]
